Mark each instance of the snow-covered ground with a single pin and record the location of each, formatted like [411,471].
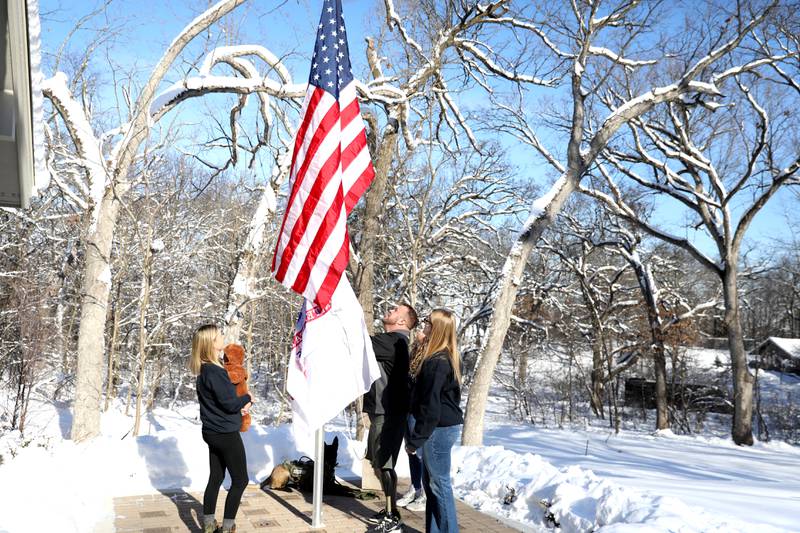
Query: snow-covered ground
[584,479]
[689,482]
[77,483]
[671,482]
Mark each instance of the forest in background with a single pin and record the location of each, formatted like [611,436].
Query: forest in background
[151,225]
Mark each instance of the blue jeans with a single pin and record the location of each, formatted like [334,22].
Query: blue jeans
[440,509]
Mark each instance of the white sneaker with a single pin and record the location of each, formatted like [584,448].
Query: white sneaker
[418,505]
[409,497]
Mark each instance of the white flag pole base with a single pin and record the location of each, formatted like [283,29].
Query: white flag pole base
[319,465]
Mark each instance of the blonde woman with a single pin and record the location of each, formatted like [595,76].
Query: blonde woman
[221,415]
[436,408]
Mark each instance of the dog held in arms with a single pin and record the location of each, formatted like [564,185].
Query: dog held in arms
[233,361]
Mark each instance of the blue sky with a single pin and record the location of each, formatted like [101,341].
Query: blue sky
[142,30]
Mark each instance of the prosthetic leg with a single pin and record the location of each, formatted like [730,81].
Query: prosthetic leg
[388,478]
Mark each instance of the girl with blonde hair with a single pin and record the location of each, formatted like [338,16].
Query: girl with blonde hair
[436,408]
[221,415]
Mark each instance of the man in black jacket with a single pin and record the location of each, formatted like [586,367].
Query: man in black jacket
[386,403]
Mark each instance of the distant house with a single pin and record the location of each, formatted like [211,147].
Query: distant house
[777,353]
[687,396]
[721,343]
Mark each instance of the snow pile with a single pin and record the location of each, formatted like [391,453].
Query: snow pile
[527,489]
[76,483]
[582,480]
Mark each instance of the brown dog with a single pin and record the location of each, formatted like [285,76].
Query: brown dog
[234,364]
[278,479]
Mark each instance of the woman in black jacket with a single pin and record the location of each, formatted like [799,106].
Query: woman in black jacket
[221,414]
[435,406]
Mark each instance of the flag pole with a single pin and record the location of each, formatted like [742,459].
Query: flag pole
[319,465]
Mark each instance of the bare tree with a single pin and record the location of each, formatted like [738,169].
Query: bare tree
[109,180]
[602,284]
[665,307]
[431,38]
[722,164]
[578,46]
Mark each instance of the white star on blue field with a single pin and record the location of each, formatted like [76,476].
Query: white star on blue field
[330,65]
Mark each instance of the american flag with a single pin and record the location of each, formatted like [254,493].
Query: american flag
[331,168]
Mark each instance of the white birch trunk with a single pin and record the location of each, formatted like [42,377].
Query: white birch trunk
[543,211]
[244,282]
[97,273]
[91,333]
[144,302]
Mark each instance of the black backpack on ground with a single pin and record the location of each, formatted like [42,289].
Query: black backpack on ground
[301,475]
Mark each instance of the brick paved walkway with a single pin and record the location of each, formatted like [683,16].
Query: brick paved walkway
[272,512]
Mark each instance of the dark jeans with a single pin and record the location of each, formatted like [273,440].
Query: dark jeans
[225,452]
[415,466]
[415,461]
[440,509]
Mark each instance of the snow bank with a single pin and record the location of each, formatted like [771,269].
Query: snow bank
[76,483]
[527,489]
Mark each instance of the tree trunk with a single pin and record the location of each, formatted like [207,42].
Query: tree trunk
[648,288]
[569,388]
[237,301]
[598,385]
[660,365]
[112,351]
[598,375]
[522,370]
[66,363]
[508,287]
[372,212]
[154,390]
[249,259]
[613,386]
[97,270]
[130,397]
[143,304]
[742,429]
[248,357]
[91,333]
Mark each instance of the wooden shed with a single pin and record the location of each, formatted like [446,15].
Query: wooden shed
[779,353]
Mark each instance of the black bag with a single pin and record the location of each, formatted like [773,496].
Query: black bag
[301,473]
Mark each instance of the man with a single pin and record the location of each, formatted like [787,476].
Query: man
[386,403]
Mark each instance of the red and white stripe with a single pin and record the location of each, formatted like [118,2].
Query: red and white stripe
[331,169]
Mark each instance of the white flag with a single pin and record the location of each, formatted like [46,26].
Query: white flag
[332,361]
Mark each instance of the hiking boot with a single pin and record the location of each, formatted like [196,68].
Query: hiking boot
[409,497]
[211,527]
[231,530]
[418,505]
[391,523]
[378,517]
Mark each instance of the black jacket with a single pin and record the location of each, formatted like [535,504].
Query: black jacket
[389,395]
[435,399]
[220,408]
